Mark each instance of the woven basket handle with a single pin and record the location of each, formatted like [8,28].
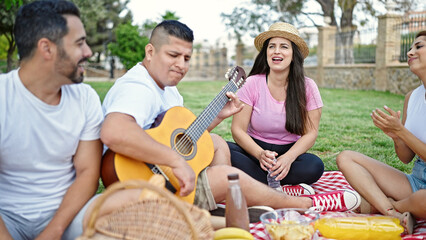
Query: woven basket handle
[90,230]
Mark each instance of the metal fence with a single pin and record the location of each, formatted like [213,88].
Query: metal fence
[356,45]
[407,28]
[364,48]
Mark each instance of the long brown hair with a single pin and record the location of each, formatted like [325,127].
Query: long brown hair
[295,104]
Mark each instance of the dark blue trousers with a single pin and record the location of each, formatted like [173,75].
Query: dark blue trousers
[307,168]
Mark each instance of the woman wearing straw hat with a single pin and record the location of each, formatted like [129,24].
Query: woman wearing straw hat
[281,116]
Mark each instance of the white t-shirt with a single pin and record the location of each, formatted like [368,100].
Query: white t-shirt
[38,141]
[416,113]
[139,96]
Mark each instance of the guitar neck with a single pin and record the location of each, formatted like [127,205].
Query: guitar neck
[207,116]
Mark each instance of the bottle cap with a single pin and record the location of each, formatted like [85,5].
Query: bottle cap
[233,176]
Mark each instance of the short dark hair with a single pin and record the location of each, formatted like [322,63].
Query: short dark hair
[171,28]
[41,19]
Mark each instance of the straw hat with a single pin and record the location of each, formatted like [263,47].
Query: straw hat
[421,33]
[284,30]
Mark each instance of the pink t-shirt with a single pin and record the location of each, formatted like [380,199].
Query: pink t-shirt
[268,118]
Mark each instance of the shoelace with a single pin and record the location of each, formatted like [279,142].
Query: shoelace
[328,202]
[294,191]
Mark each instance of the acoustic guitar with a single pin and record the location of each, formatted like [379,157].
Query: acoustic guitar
[179,129]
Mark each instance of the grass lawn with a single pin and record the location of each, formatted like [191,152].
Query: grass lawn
[345,122]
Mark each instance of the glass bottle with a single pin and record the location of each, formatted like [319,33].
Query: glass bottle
[236,213]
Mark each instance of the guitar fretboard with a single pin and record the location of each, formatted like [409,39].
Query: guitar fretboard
[201,123]
[210,112]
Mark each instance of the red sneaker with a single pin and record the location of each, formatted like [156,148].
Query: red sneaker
[337,201]
[297,190]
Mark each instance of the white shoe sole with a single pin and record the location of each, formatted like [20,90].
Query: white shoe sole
[352,199]
[308,189]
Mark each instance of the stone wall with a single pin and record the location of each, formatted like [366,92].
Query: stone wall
[400,79]
[347,76]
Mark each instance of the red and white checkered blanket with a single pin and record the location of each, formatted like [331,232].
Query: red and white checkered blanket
[330,181]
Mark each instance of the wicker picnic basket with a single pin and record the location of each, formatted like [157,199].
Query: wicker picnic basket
[159,216]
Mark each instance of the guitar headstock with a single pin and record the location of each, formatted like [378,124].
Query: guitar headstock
[237,75]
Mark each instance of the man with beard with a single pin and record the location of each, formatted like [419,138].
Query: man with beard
[49,127]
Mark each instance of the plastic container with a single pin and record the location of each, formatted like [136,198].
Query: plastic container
[360,228]
[290,223]
[275,184]
[236,213]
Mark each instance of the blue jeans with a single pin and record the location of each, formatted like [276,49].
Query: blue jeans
[417,178]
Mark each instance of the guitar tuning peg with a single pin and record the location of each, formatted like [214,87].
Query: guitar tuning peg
[228,72]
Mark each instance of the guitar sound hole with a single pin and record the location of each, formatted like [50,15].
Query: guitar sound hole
[183,144]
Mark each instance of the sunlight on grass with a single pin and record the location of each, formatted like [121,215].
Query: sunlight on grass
[101,88]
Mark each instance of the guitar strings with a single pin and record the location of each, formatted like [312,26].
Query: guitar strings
[211,112]
[206,117]
[185,143]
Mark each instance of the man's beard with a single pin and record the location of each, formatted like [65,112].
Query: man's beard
[75,77]
[64,59]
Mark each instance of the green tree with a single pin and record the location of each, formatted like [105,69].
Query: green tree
[99,17]
[130,41]
[10,3]
[8,9]
[129,45]
[149,24]
[4,44]
[95,15]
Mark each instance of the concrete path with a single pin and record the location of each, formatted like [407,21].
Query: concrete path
[107,79]
[99,79]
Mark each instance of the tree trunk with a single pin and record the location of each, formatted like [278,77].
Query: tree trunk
[327,7]
[347,32]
